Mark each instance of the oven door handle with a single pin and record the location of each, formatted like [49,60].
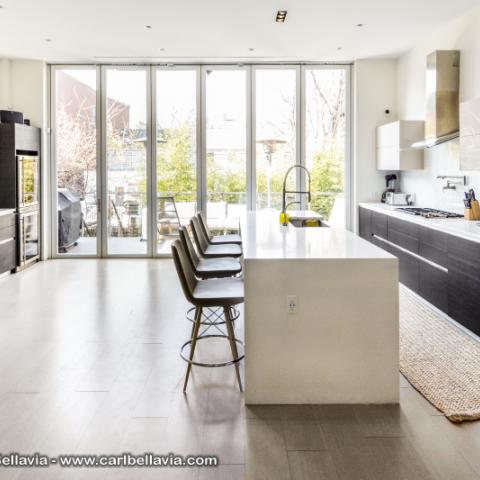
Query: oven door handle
[24,242]
[21,192]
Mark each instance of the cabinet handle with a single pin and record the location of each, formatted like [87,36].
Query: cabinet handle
[414,255]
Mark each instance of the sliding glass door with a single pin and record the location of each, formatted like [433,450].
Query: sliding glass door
[325,140]
[126,146]
[276,132]
[138,150]
[225,97]
[75,216]
[176,152]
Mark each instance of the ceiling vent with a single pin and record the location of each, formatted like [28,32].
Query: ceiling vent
[281,16]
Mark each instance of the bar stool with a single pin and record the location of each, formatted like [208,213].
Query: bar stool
[209,267]
[217,239]
[220,292]
[212,251]
[204,268]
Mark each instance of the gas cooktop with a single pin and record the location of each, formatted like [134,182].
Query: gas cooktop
[429,212]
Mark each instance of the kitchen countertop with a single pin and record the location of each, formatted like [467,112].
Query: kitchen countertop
[469,230]
[5,211]
[264,238]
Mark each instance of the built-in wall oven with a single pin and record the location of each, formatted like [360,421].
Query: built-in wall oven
[28,236]
[28,173]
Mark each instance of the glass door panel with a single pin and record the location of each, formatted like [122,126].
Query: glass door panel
[275,133]
[126,156]
[325,135]
[75,133]
[226,147]
[176,137]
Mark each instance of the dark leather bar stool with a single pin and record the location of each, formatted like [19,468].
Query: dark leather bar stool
[210,268]
[217,239]
[221,292]
[212,251]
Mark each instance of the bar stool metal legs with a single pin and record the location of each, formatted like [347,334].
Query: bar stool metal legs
[195,337]
[212,317]
[195,328]
[233,343]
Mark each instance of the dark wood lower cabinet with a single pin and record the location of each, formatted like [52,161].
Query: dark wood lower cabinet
[8,255]
[433,285]
[464,282]
[8,246]
[455,288]
[379,225]
[365,223]
[408,268]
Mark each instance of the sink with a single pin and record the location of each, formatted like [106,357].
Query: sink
[307,222]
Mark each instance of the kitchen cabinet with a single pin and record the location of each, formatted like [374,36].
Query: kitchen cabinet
[393,142]
[408,267]
[8,249]
[433,285]
[403,234]
[464,282]
[433,245]
[443,269]
[365,223]
[379,225]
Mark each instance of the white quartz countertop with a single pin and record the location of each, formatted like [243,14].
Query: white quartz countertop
[263,237]
[5,211]
[470,230]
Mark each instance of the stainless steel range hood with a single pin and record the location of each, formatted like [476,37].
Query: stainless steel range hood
[442,87]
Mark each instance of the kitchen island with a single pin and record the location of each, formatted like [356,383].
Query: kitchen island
[340,344]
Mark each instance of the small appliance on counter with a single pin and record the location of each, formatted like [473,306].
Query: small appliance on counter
[391,181]
[398,199]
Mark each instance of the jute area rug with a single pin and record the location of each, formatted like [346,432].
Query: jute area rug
[439,359]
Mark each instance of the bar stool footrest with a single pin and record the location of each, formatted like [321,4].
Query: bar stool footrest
[211,365]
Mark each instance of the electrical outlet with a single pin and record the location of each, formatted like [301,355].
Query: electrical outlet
[292,305]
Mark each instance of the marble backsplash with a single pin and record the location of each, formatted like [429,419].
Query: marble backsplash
[444,159]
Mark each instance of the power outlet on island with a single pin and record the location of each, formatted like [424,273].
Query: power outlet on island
[292,305]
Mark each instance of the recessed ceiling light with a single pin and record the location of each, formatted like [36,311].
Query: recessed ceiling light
[281,15]
[251,49]
[339,48]
[359,24]
[148,26]
[48,40]
[162,49]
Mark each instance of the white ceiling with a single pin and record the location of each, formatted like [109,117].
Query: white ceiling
[217,30]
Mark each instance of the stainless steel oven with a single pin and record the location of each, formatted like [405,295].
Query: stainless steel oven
[28,173]
[28,237]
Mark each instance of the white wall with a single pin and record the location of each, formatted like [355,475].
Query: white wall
[461,34]
[374,89]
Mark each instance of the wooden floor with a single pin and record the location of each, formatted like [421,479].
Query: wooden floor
[89,364]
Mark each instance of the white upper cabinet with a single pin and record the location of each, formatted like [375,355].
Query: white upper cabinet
[394,145]
[470,135]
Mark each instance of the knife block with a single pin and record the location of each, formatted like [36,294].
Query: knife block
[474,212]
[475,209]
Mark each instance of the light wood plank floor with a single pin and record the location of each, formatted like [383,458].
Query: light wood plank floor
[89,364]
